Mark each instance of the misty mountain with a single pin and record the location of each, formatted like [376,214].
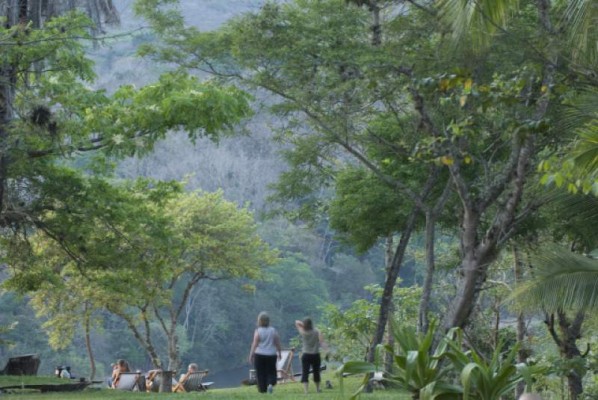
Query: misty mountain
[242,165]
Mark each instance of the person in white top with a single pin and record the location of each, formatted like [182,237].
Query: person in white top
[265,351]
[310,355]
[193,367]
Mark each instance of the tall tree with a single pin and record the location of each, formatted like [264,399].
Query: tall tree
[340,92]
[395,109]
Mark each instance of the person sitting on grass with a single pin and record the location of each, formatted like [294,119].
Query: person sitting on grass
[193,367]
[118,368]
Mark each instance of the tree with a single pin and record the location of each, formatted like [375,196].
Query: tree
[50,117]
[50,114]
[563,288]
[351,103]
[144,261]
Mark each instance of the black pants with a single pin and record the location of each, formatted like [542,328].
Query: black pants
[313,362]
[265,371]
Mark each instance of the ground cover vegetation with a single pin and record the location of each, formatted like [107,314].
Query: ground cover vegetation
[452,140]
[290,391]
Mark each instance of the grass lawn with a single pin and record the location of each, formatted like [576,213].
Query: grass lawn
[286,391]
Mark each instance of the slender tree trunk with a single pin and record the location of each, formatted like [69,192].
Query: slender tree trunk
[35,13]
[571,331]
[392,275]
[473,273]
[430,238]
[521,327]
[389,361]
[22,10]
[424,304]
[173,344]
[144,340]
[94,13]
[92,362]
[376,26]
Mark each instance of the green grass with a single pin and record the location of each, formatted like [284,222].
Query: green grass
[286,391]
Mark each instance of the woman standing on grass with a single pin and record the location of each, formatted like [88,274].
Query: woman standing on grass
[265,351]
[310,356]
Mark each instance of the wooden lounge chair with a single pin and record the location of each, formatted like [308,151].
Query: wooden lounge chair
[284,366]
[128,381]
[192,382]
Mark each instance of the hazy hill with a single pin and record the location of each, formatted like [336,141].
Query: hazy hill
[242,166]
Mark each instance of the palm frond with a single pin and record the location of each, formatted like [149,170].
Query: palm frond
[581,18]
[585,152]
[562,281]
[477,19]
[578,207]
[581,111]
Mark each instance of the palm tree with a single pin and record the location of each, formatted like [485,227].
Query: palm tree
[564,284]
[480,19]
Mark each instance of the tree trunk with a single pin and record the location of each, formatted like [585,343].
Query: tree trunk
[109,11]
[424,304]
[92,362]
[166,382]
[390,342]
[376,26]
[388,361]
[144,341]
[521,327]
[566,340]
[35,13]
[571,331]
[173,353]
[430,238]
[392,275]
[473,272]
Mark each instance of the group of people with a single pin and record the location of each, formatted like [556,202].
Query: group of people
[123,366]
[266,351]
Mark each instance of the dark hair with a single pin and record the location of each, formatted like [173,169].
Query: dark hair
[308,325]
[123,363]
